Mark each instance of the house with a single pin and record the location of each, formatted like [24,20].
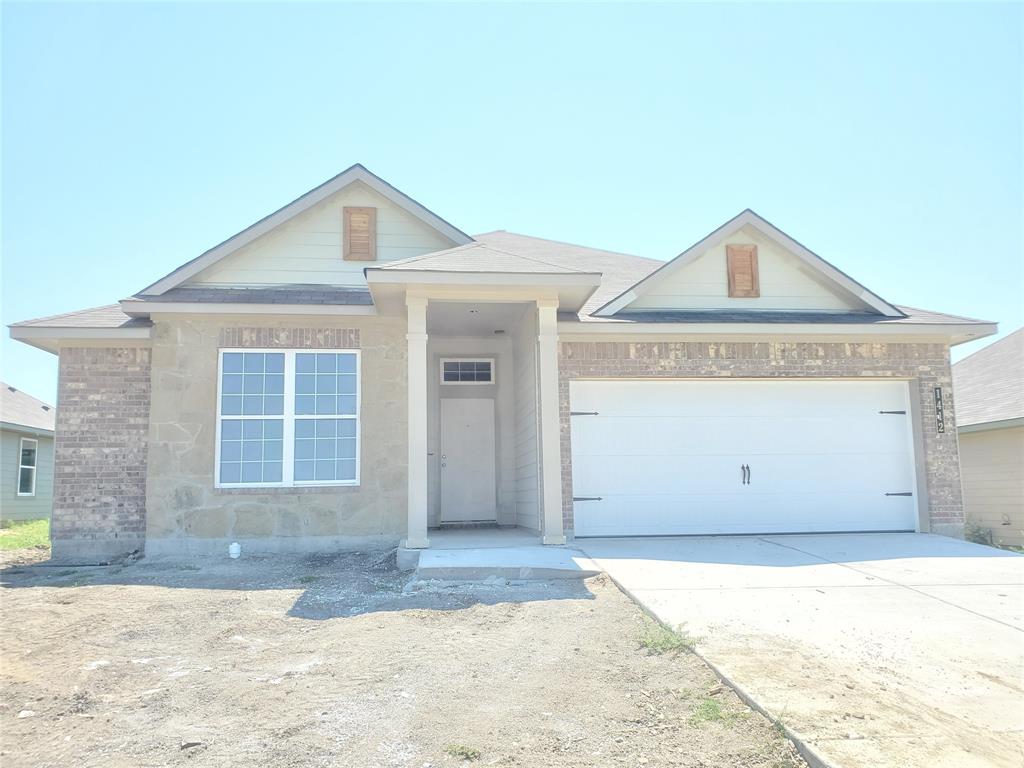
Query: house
[355,370]
[989,386]
[26,455]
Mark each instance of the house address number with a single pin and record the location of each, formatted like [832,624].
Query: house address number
[940,413]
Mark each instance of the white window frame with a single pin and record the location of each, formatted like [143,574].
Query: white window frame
[33,467]
[288,418]
[491,360]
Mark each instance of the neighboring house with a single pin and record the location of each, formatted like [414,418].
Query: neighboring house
[26,456]
[354,370]
[989,386]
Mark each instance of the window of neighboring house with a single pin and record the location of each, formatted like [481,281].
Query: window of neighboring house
[28,456]
[467,371]
[288,418]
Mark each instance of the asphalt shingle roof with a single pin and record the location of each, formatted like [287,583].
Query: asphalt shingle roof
[109,316]
[277,294]
[23,410]
[989,384]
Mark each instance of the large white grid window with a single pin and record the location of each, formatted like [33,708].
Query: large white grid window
[287,418]
[28,453]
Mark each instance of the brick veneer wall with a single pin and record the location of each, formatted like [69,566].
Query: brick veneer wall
[926,364]
[99,495]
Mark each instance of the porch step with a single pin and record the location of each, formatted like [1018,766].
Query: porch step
[532,563]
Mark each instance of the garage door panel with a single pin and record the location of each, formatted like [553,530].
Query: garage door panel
[796,473]
[726,514]
[692,436]
[714,398]
[665,457]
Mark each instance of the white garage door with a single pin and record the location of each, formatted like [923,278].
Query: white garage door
[696,457]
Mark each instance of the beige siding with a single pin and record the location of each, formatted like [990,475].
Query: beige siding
[785,282]
[992,468]
[308,249]
[13,506]
[526,434]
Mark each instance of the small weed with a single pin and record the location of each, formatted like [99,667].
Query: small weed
[978,535]
[708,711]
[779,725]
[463,752]
[188,568]
[658,639]
[308,579]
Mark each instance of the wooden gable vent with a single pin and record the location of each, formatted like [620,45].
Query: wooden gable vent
[360,234]
[741,261]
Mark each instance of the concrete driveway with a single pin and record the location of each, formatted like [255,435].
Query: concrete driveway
[876,649]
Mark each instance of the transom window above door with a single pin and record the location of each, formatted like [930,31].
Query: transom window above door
[467,370]
[287,418]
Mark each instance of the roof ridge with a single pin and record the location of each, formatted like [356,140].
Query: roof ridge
[573,245]
[477,244]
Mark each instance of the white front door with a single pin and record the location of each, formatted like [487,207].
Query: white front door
[467,461]
[711,457]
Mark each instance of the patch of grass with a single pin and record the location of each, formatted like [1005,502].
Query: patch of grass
[27,534]
[708,711]
[463,752]
[308,579]
[658,639]
[978,535]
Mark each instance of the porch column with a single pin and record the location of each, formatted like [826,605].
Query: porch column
[550,440]
[416,536]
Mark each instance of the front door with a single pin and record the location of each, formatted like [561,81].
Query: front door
[467,461]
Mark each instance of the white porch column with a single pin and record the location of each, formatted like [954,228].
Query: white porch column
[417,385]
[550,439]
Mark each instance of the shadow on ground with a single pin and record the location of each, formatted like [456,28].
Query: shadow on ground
[330,586]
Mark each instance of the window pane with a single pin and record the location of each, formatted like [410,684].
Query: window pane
[305,363]
[251,450]
[345,469]
[232,362]
[346,363]
[25,479]
[347,405]
[326,363]
[28,454]
[275,362]
[253,362]
[259,378]
[330,455]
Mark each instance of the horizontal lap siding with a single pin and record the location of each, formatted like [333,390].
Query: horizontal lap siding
[13,506]
[927,364]
[992,463]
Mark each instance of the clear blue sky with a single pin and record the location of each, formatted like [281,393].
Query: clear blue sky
[887,138]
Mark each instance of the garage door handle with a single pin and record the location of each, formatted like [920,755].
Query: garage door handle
[901,493]
[587,498]
[745,472]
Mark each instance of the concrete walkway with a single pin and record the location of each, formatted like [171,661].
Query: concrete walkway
[876,649]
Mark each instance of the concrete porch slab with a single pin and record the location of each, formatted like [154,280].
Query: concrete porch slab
[534,562]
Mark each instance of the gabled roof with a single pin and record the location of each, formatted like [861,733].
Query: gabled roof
[477,257]
[20,409]
[749,218]
[357,173]
[988,386]
[503,251]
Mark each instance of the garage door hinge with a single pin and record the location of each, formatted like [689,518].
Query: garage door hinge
[587,498]
[583,413]
[901,413]
[901,493]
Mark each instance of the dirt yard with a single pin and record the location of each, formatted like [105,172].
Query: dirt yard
[293,661]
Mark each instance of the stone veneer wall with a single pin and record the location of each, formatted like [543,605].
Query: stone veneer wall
[187,513]
[927,364]
[99,498]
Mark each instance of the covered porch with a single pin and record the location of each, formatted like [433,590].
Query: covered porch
[484,458]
